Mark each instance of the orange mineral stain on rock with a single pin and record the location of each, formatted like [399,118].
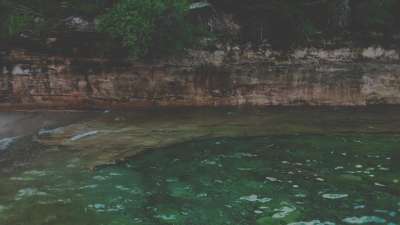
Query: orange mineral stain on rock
[341,77]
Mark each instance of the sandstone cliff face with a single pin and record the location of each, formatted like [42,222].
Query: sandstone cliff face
[228,77]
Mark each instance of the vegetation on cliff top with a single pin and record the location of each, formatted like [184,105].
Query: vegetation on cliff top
[151,27]
[163,27]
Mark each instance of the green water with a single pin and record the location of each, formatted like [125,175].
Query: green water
[291,179]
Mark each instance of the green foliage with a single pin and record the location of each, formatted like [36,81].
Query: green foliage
[39,17]
[18,23]
[149,27]
[16,19]
[376,15]
[162,27]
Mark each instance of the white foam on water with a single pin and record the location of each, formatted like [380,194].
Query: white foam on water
[240,155]
[272,179]
[218,181]
[202,195]
[313,222]
[114,174]
[389,213]
[258,211]
[248,155]
[58,201]
[245,169]
[30,175]
[379,184]
[22,178]
[6,142]
[51,131]
[36,173]
[91,186]
[171,180]
[208,162]
[71,165]
[359,207]
[283,212]
[84,135]
[116,208]
[335,196]
[28,192]
[364,220]
[99,207]
[99,178]
[300,195]
[166,217]
[122,188]
[255,198]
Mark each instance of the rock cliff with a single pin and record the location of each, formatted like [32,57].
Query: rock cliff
[228,76]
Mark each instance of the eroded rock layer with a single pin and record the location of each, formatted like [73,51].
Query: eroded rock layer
[229,77]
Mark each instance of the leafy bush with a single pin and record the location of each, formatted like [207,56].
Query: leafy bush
[150,27]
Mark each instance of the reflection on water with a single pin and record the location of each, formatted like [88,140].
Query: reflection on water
[275,179]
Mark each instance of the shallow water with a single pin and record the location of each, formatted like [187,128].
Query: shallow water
[272,179]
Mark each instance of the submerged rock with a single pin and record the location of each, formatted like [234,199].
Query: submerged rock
[6,142]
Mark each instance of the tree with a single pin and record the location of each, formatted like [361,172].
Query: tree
[150,27]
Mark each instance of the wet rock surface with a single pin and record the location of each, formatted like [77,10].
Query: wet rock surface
[105,137]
